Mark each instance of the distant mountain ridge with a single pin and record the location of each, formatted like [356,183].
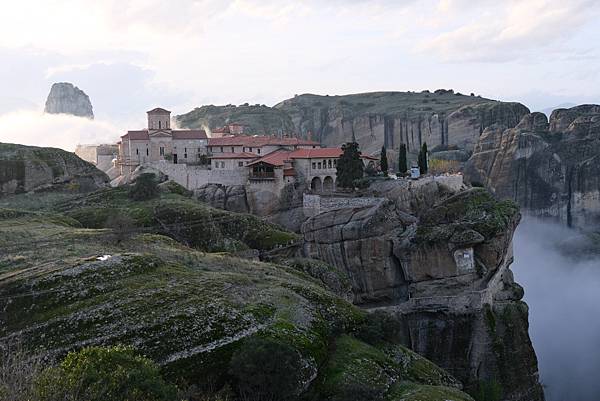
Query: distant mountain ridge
[441,118]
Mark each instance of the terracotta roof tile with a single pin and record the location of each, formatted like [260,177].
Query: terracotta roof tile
[276,158]
[136,135]
[189,134]
[258,141]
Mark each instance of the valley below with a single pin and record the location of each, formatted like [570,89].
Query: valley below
[561,290]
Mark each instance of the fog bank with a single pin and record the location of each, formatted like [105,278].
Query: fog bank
[563,294]
[56,130]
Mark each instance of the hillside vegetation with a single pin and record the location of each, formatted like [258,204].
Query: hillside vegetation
[158,290]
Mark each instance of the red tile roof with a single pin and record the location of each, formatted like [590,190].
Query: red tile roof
[158,110]
[276,158]
[258,141]
[136,135]
[279,157]
[241,155]
[189,134]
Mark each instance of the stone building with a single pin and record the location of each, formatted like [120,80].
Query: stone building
[159,142]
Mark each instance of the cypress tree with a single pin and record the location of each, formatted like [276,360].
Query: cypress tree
[349,166]
[402,165]
[383,163]
[423,167]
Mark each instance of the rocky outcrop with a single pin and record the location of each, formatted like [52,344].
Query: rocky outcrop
[551,168]
[190,311]
[29,168]
[443,270]
[65,98]
[231,197]
[441,119]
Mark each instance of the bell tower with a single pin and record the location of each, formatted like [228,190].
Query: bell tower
[159,119]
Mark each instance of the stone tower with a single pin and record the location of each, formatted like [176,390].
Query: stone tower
[159,119]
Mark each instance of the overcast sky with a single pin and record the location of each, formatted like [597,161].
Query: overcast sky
[131,55]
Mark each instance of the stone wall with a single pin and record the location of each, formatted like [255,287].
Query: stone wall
[193,177]
[315,204]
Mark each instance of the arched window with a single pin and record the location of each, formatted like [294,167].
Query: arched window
[159,125]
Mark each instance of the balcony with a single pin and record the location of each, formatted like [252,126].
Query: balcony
[262,175]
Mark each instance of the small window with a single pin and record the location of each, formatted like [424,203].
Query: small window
[146,151]
[258,150]
[221,149]
[329,163]
[334,162]
[222,164]
[314,147]
[162,151]
[314,165]
[232,149]
[240,164]
[159,125]
[137,151]
[185,155]
[250,149]
[184,149]
[319,165]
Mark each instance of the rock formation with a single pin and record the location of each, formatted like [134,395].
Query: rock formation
[551,168]
[443,270]
[441,119]
[29,168]
[65,98]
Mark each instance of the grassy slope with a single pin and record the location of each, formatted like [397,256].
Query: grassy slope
[184,308]
[256,119]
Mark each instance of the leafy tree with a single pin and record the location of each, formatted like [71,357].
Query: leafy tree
[145,187]
[379,327]
[266,369]
[384,161]
[402,162]
[423,167]
[349,166]
[104,374]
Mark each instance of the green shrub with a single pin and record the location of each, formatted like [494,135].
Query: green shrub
[359,391]
[265,369]
[488,390]
[104,374]
[379,327]
[145,187]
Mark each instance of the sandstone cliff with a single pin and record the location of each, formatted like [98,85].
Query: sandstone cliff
[29,168]
[185,308]
[65,98]
[441,119]
[551,168]
[443,270]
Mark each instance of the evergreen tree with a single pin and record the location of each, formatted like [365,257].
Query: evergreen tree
[423,165]
[402,164]
[349,166]
[383,163]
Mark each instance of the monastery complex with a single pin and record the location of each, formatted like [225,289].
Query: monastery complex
[228,157]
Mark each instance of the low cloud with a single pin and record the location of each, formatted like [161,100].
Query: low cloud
[55,130]
[506,31]
[563,294]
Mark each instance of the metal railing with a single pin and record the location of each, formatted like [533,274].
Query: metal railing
[262,175]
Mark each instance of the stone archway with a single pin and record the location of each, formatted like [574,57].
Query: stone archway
[316,185]
[328,185]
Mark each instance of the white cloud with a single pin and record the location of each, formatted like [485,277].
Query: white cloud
[55,130]
[510,30]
